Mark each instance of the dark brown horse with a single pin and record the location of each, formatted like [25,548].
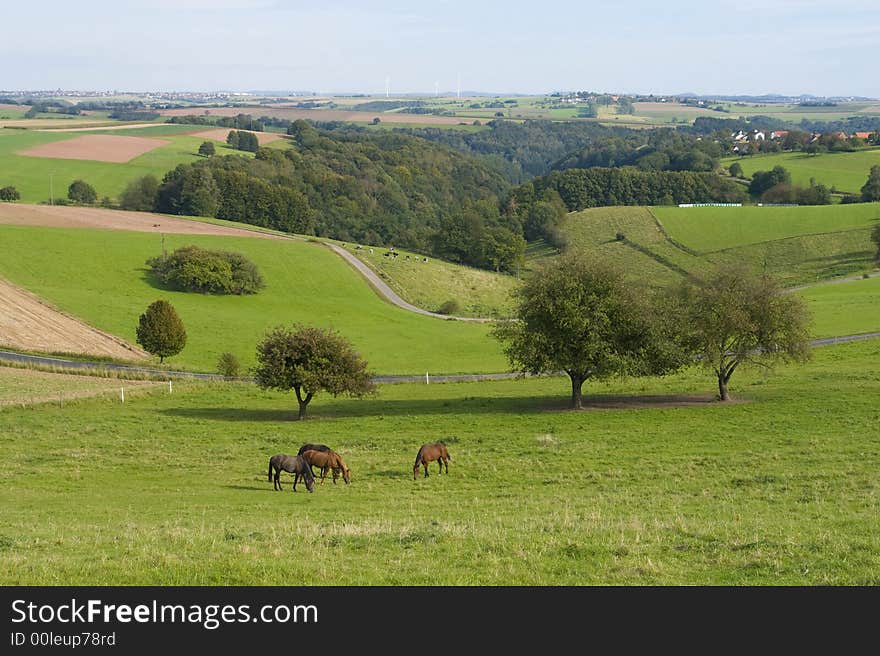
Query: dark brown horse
[429,453]
[295,465]
[327,460]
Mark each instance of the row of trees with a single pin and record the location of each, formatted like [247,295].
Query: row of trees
[598,187]
[581,317]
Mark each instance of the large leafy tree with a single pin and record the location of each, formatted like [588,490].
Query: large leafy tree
[160,330]
[309,360]
[736,317]
[580,316]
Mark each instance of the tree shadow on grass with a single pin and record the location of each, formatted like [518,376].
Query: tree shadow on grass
[471,405]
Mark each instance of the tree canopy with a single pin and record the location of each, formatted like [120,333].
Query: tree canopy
[580,317]
[309,360]
[160,330]
[737,317]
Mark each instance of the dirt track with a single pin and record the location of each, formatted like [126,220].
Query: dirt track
[29,323]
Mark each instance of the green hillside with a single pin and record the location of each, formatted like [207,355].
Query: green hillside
[100,276]
[843,171]
[799,244]
[707,229]
[845,308]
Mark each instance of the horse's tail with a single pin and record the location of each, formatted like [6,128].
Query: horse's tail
[270,471]
[418,459]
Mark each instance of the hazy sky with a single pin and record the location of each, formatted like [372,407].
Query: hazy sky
[821,47]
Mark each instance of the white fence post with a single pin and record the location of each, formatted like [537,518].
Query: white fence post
[122,394]
[170,390]
[427,382]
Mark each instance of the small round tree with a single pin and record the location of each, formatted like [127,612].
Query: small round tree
[207,149]
[81,191]
[160,330]
[309,360]
[228,365]
[9,194]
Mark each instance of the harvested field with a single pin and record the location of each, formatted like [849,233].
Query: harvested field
[49,122]
[127,126]
[29,323]
[94,217]
[29,387]
[293,114]
[97,147]
[220,134]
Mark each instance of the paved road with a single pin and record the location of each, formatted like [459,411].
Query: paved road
[427,378]
[384,290]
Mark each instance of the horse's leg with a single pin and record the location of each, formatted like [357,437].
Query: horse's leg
[277,479]
[295,479]
[323,474]
[425,464]
[446,464]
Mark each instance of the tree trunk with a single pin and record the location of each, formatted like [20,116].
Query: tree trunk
[303,402]
[577,383]
[722,388]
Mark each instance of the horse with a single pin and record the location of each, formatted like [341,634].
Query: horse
[313,447]
[327,460]
[296,465]
[429,453]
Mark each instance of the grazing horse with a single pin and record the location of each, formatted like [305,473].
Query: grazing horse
[313,447]
[429,453]
[327,460]
[296,465]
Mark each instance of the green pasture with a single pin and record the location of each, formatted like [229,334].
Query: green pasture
[843,171]
[707,229]
[801,245]
[428,285]
[32,176]
[100,277]
[780,488]
[845,308]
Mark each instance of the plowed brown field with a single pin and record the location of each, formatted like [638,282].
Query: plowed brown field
[97,147]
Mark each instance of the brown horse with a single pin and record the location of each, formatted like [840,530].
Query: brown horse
[327,460]
[295,465]
[429,453]
[313,447]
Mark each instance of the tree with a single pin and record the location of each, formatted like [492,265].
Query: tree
[9,194]
[737,317]
[228,365]
[81,191]
[871,190]
[764,180]
[309,360]
[160,330]
[736,170]
[580,316]
[140,195]
[207,149]
[232,138]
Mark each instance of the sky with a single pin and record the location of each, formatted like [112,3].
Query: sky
[723,47]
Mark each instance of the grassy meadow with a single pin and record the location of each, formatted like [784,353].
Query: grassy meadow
[430,284]
[170,489]
[842,171]
[707,229]
[100,276]
[845,308]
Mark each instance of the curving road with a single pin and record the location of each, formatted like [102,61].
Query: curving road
[384,290]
